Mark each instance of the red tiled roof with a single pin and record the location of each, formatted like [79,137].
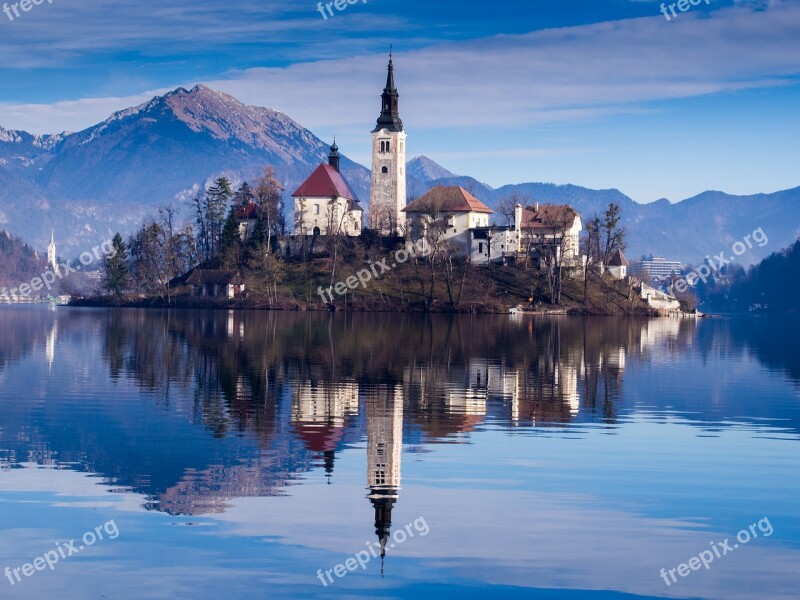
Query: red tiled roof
[447,199]
[325,182]
[248,211]
[548,216]
[319,437]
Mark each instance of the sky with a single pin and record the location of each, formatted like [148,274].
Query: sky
[598,93]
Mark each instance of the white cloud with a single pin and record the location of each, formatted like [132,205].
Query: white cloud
[507,81]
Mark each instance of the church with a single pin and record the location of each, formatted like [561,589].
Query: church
[324,204]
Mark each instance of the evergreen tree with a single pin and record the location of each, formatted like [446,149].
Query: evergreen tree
[259,235]
[229,240]
[116,275]
[216,203]
[243,195]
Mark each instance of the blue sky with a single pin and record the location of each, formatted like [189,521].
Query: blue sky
[600,93]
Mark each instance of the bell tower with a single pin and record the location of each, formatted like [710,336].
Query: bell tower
[388,191]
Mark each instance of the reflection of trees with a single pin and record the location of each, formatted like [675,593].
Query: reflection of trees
[281,392]
[767,337]
[453,369]
[22,328]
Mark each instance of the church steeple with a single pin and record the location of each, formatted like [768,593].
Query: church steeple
[390,76]
[383,520]
[390,104]
[333,157]
[51,252]
[330,457]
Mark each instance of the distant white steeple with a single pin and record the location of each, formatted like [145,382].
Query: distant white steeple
[51,252]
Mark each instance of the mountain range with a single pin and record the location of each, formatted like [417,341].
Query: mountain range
[107,178]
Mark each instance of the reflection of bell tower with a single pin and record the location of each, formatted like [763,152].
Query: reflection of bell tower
[384,449]
[50,345]
[51,252]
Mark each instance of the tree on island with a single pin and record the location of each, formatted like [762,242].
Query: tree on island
[269,195]
[116,275]
[591,250]
[604,236]
[613,233]
[215,205]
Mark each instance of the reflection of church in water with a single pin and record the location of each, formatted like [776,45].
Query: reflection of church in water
[320,414]
[273,413]
[323,412]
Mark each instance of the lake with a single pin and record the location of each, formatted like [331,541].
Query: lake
[201,454]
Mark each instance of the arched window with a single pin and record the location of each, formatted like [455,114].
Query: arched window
[316,231]
[384,169]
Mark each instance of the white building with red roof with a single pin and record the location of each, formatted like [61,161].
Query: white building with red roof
[550,232]
[451,208]
[247,217]
[324,204]
[452,215]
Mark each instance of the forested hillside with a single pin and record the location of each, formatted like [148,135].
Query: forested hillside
[19,263]
[773,285]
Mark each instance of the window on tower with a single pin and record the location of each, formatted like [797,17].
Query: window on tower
[380,474]
[384,169]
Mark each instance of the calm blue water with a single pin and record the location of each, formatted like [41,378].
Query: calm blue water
[245,454]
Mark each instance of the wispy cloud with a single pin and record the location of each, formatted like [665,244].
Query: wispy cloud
[507,81]
[65,33]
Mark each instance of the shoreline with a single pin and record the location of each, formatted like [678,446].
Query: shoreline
[418,308]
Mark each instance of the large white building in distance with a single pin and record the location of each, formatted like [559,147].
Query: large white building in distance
[661,267]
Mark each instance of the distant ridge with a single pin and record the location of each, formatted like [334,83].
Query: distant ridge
[108,177]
